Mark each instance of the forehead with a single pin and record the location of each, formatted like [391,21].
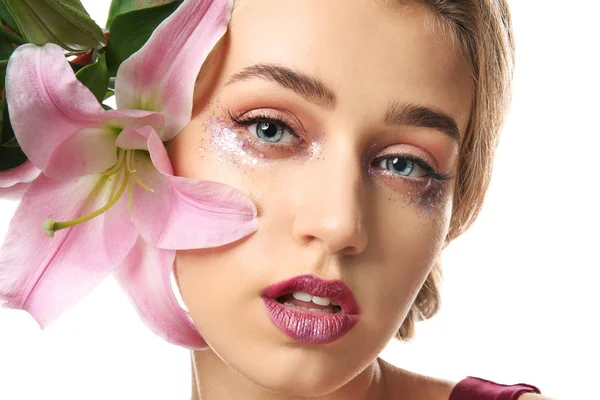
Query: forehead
[368,53]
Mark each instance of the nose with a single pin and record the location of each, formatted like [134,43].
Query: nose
[328,202]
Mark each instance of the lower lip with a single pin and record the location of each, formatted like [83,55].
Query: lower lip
[307,326]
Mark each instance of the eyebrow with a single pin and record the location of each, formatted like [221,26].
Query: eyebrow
[312,89]
[420,116]
[316,91]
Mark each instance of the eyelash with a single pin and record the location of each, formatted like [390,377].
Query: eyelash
[244,122]
[255,119]
[429,171]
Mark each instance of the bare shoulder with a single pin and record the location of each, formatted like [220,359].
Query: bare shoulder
[421,387]
[532,396]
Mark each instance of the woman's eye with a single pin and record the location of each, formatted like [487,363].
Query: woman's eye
[402,166]
[272,132]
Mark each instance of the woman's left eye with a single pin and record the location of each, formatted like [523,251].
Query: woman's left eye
[402,166]
[272,132]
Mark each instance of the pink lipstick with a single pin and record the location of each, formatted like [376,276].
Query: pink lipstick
[311,310]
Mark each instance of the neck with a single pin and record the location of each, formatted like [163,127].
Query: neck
[213,379]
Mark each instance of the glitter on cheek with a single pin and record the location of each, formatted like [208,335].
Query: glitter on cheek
[221,140]
[426,197]
[315,150]
[432,197]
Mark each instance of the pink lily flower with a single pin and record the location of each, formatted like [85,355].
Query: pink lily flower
[14,181]
[106,196]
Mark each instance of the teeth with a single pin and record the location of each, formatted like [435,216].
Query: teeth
[314,309]
[303,296]
[333,303]
[289,303]
[322,301]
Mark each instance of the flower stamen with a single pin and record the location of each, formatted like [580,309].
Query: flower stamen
[128,162]
[130,195]
[50,226]
[120,159]
[132,172]
[125,160]
[142,184]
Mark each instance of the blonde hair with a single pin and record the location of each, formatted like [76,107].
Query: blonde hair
[483,31]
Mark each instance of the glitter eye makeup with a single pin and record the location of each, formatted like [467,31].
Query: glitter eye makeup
[222,140]
[426,189]
[260,136]
[257,137]
[411,172]
[426,196]
[270,131]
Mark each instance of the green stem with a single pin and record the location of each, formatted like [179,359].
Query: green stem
[11,37]
[3,63]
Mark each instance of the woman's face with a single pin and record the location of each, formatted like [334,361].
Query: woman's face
[342,121]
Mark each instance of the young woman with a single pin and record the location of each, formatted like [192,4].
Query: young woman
[363,134]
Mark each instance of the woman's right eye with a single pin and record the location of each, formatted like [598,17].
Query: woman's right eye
[272,132]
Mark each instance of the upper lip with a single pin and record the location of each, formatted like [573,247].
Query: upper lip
[336,290]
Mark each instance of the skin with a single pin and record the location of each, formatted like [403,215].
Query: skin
[323,209]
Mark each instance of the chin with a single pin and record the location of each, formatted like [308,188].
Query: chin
[299,370]
[306,382]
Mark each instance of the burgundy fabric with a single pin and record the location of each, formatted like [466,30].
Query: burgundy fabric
[472,388]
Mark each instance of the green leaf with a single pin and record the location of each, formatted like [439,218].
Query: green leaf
[11,143]
[122,6]
[10,157]
[10,36]
[6,50]
[131,30]
[95,77]
[64,22]
[8,19]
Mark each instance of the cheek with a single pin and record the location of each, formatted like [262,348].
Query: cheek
[404,244]
[208,280]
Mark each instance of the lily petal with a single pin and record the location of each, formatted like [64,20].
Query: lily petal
[46,276]
[145,277]
[121,119]
[184,213]
[161,75]
[85,152]
[67,116]
[46,102]
[118,234]
[24,173]
[14,192]
[132,139]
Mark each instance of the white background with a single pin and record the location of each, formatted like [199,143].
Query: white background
[521,291]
